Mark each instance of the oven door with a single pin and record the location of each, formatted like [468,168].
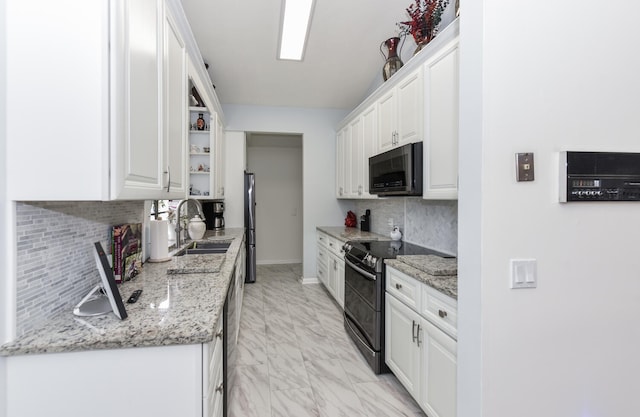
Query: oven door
[362,321]
[361,305]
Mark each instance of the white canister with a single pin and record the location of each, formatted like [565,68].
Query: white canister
[196,228]
[395,234]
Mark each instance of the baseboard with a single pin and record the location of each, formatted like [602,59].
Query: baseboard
[279,262]
[309,280]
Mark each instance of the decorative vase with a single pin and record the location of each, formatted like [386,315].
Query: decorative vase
[392,61]
[423,43]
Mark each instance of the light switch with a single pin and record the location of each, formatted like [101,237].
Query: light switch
[524,167]
[523,273]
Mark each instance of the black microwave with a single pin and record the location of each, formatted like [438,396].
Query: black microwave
[397,172]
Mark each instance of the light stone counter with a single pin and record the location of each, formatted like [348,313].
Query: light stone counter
[172,309]
[435,271]
[345,234]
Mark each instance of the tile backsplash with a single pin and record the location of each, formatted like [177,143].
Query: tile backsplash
[429,223]
[55,264]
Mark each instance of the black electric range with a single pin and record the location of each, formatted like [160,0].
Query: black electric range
[364,291]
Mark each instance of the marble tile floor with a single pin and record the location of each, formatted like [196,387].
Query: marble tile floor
[294,358]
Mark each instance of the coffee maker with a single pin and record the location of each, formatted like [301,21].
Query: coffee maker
[214,212]
[218,216]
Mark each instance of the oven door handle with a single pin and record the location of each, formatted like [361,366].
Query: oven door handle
[359,270]
[356,333]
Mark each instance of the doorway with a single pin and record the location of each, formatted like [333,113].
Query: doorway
[276,161]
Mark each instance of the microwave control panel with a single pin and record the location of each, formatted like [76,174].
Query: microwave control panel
[599,176]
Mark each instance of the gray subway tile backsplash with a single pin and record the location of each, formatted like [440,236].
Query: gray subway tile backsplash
[55,265]
[429,223]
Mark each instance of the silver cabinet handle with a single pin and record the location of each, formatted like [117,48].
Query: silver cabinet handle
[419,335]
[442,313]
[168,171]
[413,330]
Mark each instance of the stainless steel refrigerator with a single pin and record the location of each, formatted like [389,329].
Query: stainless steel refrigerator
[250,224]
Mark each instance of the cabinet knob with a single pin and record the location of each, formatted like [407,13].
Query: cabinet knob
[398,286]
[219,334]
[220,388]
[442,313]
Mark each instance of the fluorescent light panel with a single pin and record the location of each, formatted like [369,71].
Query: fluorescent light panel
[295,27]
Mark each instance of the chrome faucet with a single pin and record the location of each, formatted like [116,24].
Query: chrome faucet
[179,228]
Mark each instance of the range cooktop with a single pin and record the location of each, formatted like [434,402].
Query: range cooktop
[388,249]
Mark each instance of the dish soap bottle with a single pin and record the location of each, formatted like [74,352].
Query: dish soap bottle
[395,233]
[196,228]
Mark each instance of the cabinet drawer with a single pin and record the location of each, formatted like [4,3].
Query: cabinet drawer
[404,288]
[439,309]
[322,240]
[335,246]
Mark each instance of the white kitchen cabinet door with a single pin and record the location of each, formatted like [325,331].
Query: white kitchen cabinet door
[342,139]
[354,159]
[441,124]
[340,282]
[400,117]
[369,135]
[57,119]
[439,370]
[402,353]
[387,113]
[131,382]
[175,111]
[410,117]
[136,100]
[335,283]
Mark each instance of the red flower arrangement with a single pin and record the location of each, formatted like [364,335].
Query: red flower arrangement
[425,16]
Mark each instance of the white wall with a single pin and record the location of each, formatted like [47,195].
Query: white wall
[235,164]
[279,228]
[542,77]
[317,127]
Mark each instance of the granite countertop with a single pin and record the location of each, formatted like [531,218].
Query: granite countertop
[435,271]
[345,234]
[176,308]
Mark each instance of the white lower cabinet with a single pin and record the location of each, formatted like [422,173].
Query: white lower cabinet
[213,375]
[330,266]
[402,351]
[144,381]
[439,364]
[421,355]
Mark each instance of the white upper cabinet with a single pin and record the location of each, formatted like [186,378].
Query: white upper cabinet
[100,112]
[342,178]
[441,124]
[136,62]
[355,143]
[400,117]
[175,110]
[418,103]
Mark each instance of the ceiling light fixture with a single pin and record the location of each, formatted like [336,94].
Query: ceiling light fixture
[294,28]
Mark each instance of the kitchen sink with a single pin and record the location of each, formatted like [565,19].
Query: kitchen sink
[198,248]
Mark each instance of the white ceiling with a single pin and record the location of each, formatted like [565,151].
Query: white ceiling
[342,63]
